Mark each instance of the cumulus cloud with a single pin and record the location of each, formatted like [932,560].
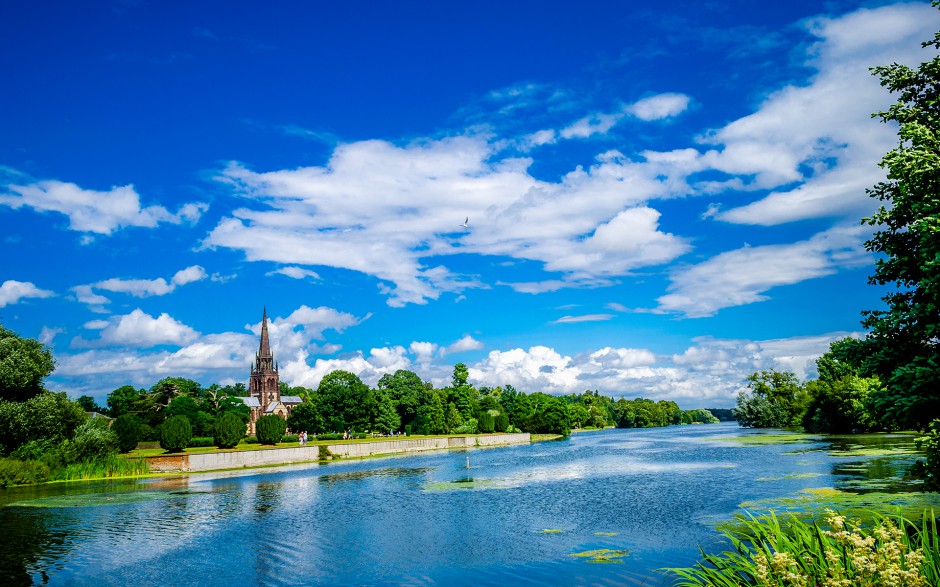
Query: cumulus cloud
[742,276]
[658,107]
[12,291]
[142,288]
[819,135]
[295,273]
[385,210]
[92,211]
[139,330]
[466,343]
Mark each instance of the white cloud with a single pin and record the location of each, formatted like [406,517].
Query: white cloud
[583,318]
[143,288]
[742,276]
[384,210]
[820,134]
[590,125]
[85,295]
[91,211]
[139,330]
[295,273]
[12,291]
[47,335]
[423,351]
[659,106]
[466,343]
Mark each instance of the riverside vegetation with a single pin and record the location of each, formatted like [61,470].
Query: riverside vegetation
[45,436]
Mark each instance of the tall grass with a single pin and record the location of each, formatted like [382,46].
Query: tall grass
[892,551]
[111,466]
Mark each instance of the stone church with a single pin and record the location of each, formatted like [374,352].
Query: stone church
[264,390]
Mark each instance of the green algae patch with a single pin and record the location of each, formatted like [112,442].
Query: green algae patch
[463,485]
[93,499]
[812,503]
[606,534]
[551,531]
[764,439]
[602,555]
[895,451]
[790,476]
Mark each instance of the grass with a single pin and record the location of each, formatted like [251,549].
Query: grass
[890,551]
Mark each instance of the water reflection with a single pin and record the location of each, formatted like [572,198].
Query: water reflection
[654,493]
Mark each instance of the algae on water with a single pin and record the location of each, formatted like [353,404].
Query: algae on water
[602,555]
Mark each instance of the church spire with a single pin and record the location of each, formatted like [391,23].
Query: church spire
[265,350]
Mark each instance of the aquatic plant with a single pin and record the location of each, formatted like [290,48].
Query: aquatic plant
[602,555]
[892,551]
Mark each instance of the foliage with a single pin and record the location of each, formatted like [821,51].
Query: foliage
[345,401]
[201,442]
[47,416]
[94,441]
[463,395]
[896,552]
[454,419]
[405,389]
[777,399]
[127,427]
[24,363]
[469,426]
[305,417]
[385,416]
[486,423]
[431,417]
[17,472]
[123,400]
[839,400]
[88,404]
[928,469]
[903,345]
[501,423]
[175,433]
[270,428]
[229,431]
[549,415]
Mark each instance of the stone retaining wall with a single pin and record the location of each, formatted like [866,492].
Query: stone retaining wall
[304,454]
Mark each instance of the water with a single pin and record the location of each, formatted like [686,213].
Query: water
[426,519]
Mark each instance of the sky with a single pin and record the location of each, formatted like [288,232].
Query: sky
[647,200]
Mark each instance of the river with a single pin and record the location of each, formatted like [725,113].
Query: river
[645,498]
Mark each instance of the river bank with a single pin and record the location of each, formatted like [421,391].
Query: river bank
[221,460]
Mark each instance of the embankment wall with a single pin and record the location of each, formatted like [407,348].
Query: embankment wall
[304,454]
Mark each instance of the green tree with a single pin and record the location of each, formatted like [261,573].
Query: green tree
[431,418]
[94,440]
[840,400]
[306,418]
[89,404]
[229,431]
[127,428]
[903,344]
[270,429]
[777,399]
[463,395]
[123,400]
[48,416]
[175,433]
[405,389]
[24,363]
[345,401]
[550,415]
[385,416]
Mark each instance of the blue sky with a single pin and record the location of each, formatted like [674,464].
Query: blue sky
[661,199]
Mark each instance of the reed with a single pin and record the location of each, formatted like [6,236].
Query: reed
[890,551]
[112,466]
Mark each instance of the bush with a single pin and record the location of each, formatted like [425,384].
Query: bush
[175,433]
[47,416]
[94,441]
[501,423]
[127,428]
[486,423]
[17,472]
[229,431]
[290,438]
[468,427]
[201,441]
[270,428]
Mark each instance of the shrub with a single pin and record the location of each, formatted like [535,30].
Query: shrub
[468,427]
[290,438]
[229,431]
[51,416]
[486,423]
[270,428]
[324,452]
[501,423]
[17,472]
[201,441]
[175,433]
[127,428]
[94,440]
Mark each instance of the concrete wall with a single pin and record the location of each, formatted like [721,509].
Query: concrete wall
[303,454]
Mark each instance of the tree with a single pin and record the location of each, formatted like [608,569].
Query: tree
[123,400]
[229,430]
[405,389]
[48,416]
[94,440]
[89,404]
[127,428]
[840,400]
[385,417]
[175,433]
[270,429]
[24,363]
[431,418]
[777,399]
[345,401]
[903,345]
[550,415]
[305,418]
[463,395]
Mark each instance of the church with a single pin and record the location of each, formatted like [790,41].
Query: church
[264,389]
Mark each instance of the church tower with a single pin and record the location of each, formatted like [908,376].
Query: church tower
[264,383]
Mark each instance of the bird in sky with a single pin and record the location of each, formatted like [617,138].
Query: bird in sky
[465,222]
